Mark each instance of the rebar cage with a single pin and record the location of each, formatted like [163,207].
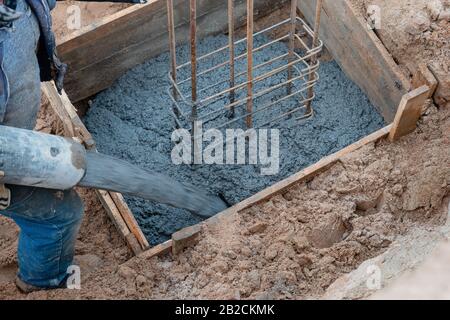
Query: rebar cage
[225,88]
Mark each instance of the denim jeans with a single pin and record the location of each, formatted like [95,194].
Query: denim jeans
[49,220]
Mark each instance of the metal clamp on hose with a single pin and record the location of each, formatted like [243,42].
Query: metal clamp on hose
[5,195]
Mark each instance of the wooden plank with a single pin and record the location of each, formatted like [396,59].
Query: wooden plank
[49,91]
[129,219]
[423,76]
[360,54]
[409,112]
[116,218]
[185,238]
[100,53]
[159,250]
[66,112]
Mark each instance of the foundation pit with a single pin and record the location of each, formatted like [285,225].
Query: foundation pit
[131,120]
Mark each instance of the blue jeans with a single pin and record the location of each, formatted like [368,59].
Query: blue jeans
[49,220]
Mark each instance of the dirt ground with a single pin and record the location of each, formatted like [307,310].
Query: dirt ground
[414,32]
[322,229]
[90,12]
[371,207]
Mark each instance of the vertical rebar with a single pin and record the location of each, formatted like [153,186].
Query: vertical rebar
[172,45]
[250,7]
[232,51]
[314,57]
[292,42]
[193,20]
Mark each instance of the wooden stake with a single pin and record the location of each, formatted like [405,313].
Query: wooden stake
[423,76]
[409,112]
[185,238]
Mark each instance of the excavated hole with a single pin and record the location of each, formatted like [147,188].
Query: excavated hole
[131,120]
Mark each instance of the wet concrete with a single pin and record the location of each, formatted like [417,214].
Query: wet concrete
[130,120]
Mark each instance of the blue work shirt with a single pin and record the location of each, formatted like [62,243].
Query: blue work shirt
[50,67]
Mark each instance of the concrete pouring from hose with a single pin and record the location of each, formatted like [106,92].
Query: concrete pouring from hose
[30,158]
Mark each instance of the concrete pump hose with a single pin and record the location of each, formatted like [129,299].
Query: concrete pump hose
[30,158]
[105,172]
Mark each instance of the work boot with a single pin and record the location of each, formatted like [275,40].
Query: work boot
[25,287]
[28,288]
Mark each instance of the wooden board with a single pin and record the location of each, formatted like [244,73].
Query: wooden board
[159,250]
[129,219]
[409,112]
[116,218]
[185,238]
[115,206]
[423,76]
[100,53]
[55,101]
[360,54]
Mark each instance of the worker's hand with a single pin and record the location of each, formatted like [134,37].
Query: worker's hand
[8,15]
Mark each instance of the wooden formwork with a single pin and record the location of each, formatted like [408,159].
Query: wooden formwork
[100,53]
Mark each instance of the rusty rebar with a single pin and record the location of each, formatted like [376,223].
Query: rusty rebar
[307,76]
[314,43]
[250,8]
[193,35]
[232,51]
[172,45]
[292,33]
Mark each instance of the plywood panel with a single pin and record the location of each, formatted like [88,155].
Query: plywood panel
[360,54]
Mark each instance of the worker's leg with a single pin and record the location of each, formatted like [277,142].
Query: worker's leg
[49,221]
[22,70]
